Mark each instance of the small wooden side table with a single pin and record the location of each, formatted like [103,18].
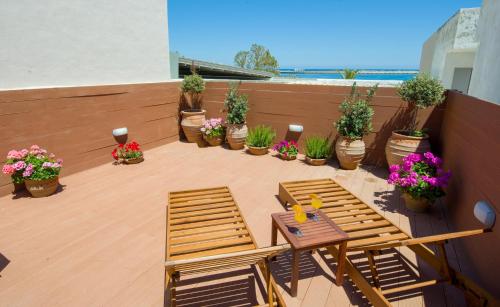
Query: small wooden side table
[316,234]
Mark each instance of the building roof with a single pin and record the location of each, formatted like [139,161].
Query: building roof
[211,70]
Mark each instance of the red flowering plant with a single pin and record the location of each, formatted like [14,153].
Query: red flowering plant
[125,152]
[420,176]
[287,149]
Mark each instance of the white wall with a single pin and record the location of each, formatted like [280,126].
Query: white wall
[452,45]
[485,80]
[54,43]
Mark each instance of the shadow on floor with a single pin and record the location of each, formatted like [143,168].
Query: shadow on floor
[223,289]
[4,262]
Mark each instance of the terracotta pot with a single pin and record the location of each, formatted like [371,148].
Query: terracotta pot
[258,151]
[42,188]
[400,144]
[236,135]
[133,161]
[315,162]
[192,121]
[213,141]
[18,187]
[287,157]
[349,152]
[416,205]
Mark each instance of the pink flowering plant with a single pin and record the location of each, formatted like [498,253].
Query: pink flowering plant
[213,127]
[287,149]
[34,164]
[420,176]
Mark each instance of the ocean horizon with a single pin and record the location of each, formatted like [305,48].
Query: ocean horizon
[401,74]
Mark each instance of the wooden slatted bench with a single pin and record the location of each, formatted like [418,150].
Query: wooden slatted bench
[369,233]
[206,232]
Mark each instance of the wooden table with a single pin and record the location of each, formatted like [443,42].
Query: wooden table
[316,234]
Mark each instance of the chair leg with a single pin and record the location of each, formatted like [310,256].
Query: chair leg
[447,271]
[373,268]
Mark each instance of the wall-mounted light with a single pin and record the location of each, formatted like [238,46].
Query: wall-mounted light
[296,128]
[120,135]
[485,213]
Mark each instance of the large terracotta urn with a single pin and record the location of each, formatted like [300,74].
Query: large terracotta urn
[401,144]
[236,135]
[349,152]
[192,121]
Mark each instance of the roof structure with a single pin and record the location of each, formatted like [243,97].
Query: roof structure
[209,70]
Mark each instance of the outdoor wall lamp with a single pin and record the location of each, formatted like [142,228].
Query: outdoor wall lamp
[295,128]
[485,213]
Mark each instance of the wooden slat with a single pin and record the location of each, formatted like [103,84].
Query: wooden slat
[370,217]
[206,217]
[376,240]
[371,232]
[206,223]
[202,207]
[201,202]
[352,213]
[217,251]
[190,248]
[197,197]
[352,227]
[197,192]
[208,236]
[208,229]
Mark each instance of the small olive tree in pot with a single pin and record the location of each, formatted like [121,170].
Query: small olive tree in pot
[355,122]
[193,116]
[421,92]
[236,107]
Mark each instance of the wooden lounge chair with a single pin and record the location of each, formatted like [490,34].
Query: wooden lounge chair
[370,233]
[205,233]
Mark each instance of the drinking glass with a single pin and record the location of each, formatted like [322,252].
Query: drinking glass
[316,203]
[300,216]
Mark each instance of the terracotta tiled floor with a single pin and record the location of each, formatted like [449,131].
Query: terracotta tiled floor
[100,242]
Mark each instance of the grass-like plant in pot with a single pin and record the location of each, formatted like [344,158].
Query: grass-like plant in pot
[355,122]
[318,150]
[259,139]
[420,93]
[421,179]
[36,168]
[193,115]
[236,108]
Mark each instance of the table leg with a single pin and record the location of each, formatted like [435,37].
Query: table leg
[274,237]
[339,278]
[294,283]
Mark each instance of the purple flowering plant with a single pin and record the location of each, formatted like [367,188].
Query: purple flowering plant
[287,148]
[35,164]
[213,127]
[421,176]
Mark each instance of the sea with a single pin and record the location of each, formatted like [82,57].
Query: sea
[363,74]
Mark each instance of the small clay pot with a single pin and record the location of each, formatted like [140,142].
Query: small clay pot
[258,151]
[213,141]
[42,188]
[287,157]
[418,205]
[315,162]
[133,161]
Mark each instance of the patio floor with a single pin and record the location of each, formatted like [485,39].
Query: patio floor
[101,241]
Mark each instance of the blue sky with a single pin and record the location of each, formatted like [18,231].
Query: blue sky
[310,33]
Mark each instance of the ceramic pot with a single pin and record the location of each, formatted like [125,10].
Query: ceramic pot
[315,162]
[416,205]
[213,141]
[258,151]
[42,188]
[287,157]
[192,121]
[236,135]
[134,160]
[400,144]
[349,152]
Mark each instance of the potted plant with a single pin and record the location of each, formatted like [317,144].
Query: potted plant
[14,167]
[236,106]
[421,92]
[129,153]
[259,139]
[213,131]
[39,170]
[355,122]
[194,117]
[420,178]
[318,150]
[287,150]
